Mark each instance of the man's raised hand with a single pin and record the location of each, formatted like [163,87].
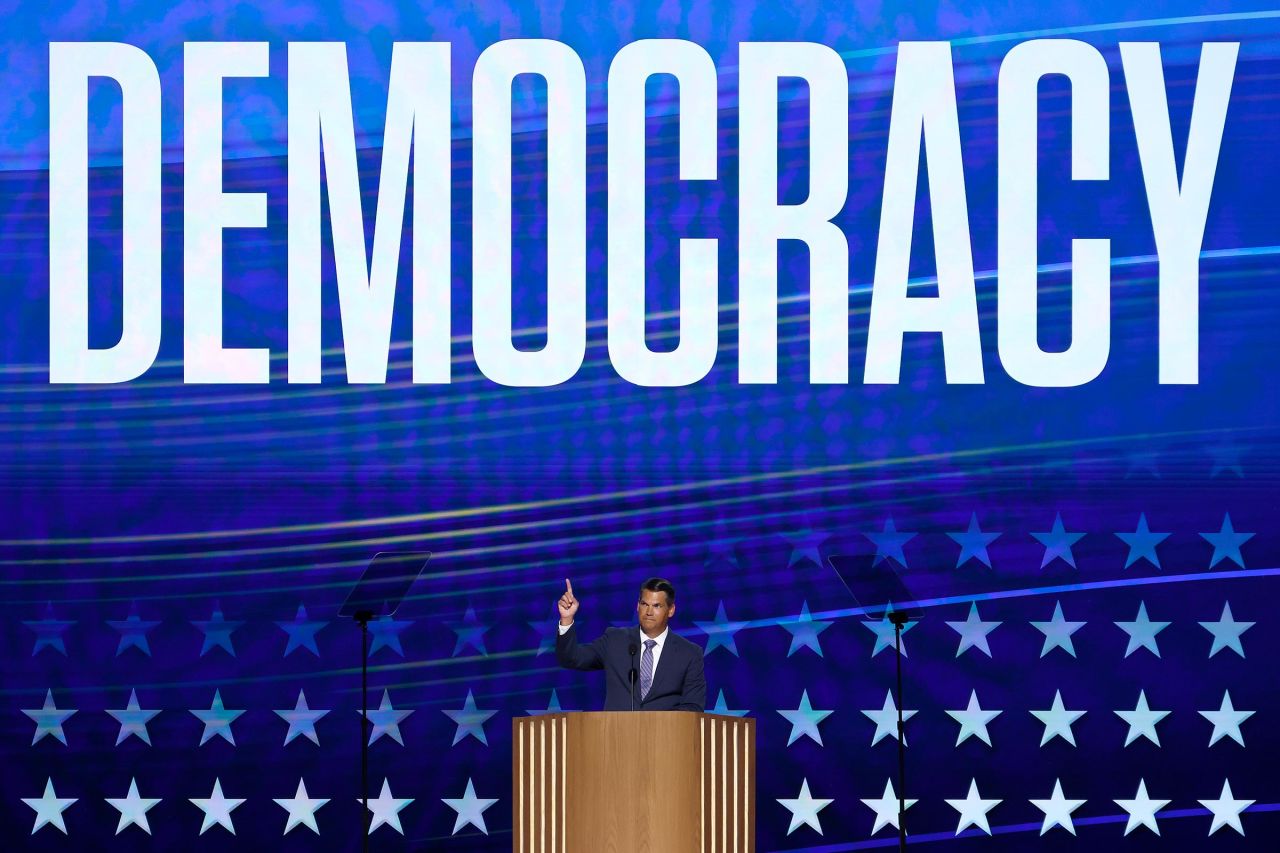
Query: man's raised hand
[568,604]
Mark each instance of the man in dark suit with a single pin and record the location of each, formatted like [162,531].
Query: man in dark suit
[647,668]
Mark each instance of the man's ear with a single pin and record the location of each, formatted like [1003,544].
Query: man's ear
[673,610]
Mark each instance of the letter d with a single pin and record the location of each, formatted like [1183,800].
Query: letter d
[70,67]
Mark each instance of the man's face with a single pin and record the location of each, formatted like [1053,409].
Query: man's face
[654,610]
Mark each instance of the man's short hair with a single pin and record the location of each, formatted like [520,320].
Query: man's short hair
[660,585]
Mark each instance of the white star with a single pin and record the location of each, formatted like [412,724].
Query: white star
[1142,632]
[1226,720]
[470,809]
[884,631]
[49,808]
[886,808]
[973,809]
[804,721]
[302,809]
[1226,809]
[386,809]
[1142,721]
[973,631]
[1057,810]
[133,720]
[886,719]
[973,720]
[1057,632]
[804,809]
[1057,721]
[386,720]
[1226,632]
[302,720]
[133,809]
[1142,810]
[217,809]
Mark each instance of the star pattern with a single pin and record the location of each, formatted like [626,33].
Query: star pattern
[301,808]
[1057,810]
[720,632]
[722,708]
[886,807]
[804,808]
[49,808]
[386,809]
[1226,632]
[553,707]
[470,809]
[804,630]
[804,721]
[386,720]
[807,544]
[973,632]
[1226,543]
[133,632]
[1142,721]
[469,631]
[1057,632]
[217,632]
[217,720]
[1142,543]
[973,543]
[133,809]
[49,719]
[973,720]
[885,633]
[49,631]
[1057,721]
[302,720]
[1057,543]
[886,719]
[889,543]
[385,633]
[1142,810]
[1226,720]
[302,632]
[1142,632]
[1226,809]
[546,629]
[973,809]
[470,720]
[133,720]
[217,809]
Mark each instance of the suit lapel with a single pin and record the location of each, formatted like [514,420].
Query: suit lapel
[662,667]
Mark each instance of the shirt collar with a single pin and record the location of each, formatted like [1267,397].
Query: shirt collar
[660,639]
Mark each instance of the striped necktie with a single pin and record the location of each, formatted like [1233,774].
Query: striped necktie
[646,668]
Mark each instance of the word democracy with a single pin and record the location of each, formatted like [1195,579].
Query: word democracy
[418,128]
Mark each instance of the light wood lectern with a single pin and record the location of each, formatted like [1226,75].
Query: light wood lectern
[642,782]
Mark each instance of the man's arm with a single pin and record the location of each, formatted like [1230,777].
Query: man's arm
[570,655]
[693,693]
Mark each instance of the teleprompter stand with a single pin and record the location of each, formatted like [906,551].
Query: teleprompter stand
[382,586]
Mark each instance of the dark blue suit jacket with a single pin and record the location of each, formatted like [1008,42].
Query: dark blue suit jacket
[678,683]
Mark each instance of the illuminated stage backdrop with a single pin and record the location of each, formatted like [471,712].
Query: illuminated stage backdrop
[1096,657]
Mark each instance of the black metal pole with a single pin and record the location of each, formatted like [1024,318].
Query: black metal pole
[364,728]
[902,744]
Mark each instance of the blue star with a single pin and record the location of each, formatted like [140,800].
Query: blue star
[1057,543]
[553,707]
[49,632]
[217,720]
[1142,543]
[1226,458]
[884,632]
[722,708]
[1057,632]
[133,632]
[1226,632]
[720,632]
[804,631]
[547,631]
[386,633]
[470,632]
[386,720]
[889,542]
[302,632]
[1141,461]
[49,720]
[133,809]
[470,809]
[1142,632]
[804,808]
[217,632]
[806,544]
[1226,543]
[720,551]
[470,720]
[973,543]
[804,721]
[302,720]
[133,720]
[973,631]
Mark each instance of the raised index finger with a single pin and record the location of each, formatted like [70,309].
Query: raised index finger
[568,587]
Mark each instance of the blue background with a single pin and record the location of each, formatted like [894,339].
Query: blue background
[177,499]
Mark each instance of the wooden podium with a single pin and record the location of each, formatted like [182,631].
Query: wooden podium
[633,782]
